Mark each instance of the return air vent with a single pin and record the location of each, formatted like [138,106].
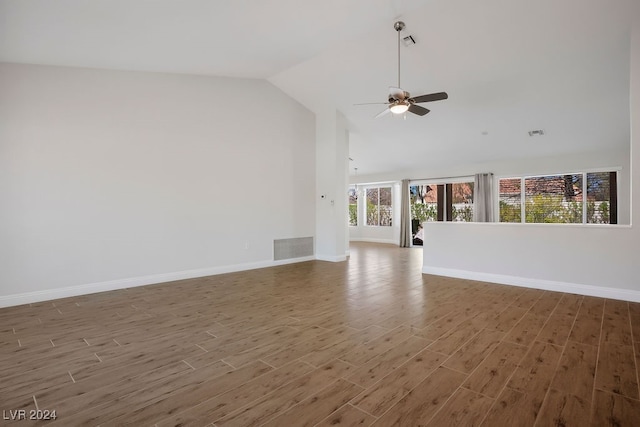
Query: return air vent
[297,247]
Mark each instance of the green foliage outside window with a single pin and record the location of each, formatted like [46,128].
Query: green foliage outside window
[598,213]
[559,198]
[464,213]
[353,215]
[424,212]
[546,208]
[510,212]
[551,209]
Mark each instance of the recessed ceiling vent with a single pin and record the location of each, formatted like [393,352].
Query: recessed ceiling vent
[537,132]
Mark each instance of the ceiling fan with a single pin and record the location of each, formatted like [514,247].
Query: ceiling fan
[401,101]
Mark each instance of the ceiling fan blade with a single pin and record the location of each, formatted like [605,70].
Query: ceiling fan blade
[382,113]
[396,93]
[373,103]
[416,109]
[431,97]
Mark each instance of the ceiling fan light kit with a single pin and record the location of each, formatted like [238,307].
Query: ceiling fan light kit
[400,101]
[399,108]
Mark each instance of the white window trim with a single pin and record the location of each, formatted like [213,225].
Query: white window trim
[584,172]
[363,209]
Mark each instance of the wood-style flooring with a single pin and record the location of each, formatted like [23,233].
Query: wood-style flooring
[370,341]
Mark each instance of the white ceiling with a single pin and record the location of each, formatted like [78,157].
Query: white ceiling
[509,66]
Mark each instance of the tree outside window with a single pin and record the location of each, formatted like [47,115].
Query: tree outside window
[353,206]
[379,209]
[560,198]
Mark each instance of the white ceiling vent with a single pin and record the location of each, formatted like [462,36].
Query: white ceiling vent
[537,132]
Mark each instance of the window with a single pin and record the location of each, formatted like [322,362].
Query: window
[353,206]
[553,199]
[461,202]
[441,202]
[510,196]
[602,198]
[379,210]
[424,204]
[560,198]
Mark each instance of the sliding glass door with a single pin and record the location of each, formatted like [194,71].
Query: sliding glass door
[439,201]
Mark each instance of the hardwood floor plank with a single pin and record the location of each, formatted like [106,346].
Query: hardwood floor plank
[219,406]
[318,406]
[528,298]
[559,324]
[536,369]
[432,329]
[81,395]
[576,371]
[514,409]
[342,348]
[454,339]
[421,403]
[507,319]
[182,397]
[492,374]
[301,349]
[81,400]
[616,326]
[249,355]
[614,410]
[285,397]
[546,304]
[471,354]
[616,372]
[347,416]
[378,398]
[527,329]
[634,312]
[150,399]
[364,353]
[464,408]
[586,329]
[564,409]
[385,363]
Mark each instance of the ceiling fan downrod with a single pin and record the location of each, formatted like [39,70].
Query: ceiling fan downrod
[399,26]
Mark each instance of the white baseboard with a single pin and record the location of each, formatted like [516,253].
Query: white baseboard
[112,285]
[368,240]
[332,258]
[547,285]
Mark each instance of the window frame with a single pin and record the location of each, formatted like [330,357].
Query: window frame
[445,196]
[377,186]
[583,173]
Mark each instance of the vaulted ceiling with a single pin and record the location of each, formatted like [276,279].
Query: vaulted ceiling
[509,66]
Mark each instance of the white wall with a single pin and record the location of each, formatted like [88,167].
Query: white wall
[594,260]
[332,157]
[111,179]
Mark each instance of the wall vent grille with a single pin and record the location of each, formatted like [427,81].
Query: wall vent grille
[297,247]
